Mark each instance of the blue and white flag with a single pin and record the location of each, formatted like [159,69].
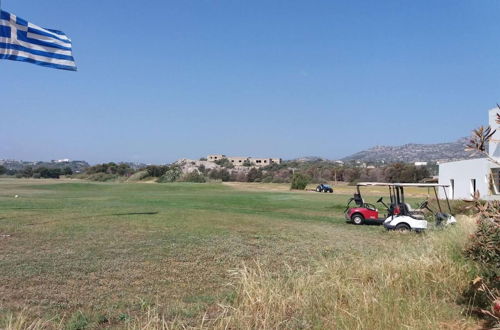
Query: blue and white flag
[26,42]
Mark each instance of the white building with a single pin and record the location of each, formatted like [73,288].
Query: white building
[240,161]
[465,177]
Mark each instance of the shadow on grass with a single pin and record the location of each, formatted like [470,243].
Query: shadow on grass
[135,213]
[32,208]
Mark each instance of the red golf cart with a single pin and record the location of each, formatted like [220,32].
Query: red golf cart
[364,213]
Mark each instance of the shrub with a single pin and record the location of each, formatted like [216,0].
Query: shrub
[3,169]
[67,171]
[194,176]
[299,181]
[222,174]
[78,321]
[110,168]
[267,179]
[27,172]
[224,162]
[484,246]
[47,173]
[156,171]
[102,177]
[138,176]
[172,175]
[254,175]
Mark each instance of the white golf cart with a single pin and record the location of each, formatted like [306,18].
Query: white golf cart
[401,216]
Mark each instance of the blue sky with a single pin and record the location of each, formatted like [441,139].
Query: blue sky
[161,80]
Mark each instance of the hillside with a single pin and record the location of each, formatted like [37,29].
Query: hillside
[412,152]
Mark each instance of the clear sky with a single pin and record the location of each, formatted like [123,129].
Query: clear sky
[159,80]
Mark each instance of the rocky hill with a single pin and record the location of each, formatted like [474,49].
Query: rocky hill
[410,153]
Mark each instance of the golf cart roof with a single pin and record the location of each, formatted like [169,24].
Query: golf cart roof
[419,185]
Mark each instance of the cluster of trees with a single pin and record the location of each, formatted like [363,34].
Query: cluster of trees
[315,171]
[397,172]
[111,168]
[42,172]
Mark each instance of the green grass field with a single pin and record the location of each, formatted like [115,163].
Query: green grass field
[75,254]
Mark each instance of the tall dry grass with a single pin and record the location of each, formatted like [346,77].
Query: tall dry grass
[414,286]
[23,321]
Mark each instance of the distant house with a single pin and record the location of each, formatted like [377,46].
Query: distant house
[481,175]
[420,163]
[239,161]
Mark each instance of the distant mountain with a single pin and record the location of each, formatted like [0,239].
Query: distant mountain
[412,152]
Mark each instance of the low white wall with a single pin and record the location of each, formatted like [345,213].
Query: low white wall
[462,172]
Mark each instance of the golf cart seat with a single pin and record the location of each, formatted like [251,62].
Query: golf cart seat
[358,199]
[414,213]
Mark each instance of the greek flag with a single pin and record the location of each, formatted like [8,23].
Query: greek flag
[26,42]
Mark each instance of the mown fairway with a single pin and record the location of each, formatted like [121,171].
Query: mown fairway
[111,251]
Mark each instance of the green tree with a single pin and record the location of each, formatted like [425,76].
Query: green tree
[224,162]
[299,181]
[156,171]
[254,175]
[67,171]
[27,172]
[3,169]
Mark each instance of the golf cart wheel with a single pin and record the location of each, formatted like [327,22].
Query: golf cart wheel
[318,190]
[331,191]
[325,191]
[402,227]
[357,219]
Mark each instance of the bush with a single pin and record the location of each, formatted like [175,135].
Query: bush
[3,169]
[267,179]
[224,162]
[254,175]
[222,175]
[27,172]
[484,246]
[172,175]
[110,168]
[194,176]
[156,171]
[102,177]
[138,176]
[299,181]
[47,173]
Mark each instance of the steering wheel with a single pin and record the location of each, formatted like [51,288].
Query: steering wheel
[424,205]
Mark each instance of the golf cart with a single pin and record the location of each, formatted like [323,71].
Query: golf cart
[362,212]
[400,215]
